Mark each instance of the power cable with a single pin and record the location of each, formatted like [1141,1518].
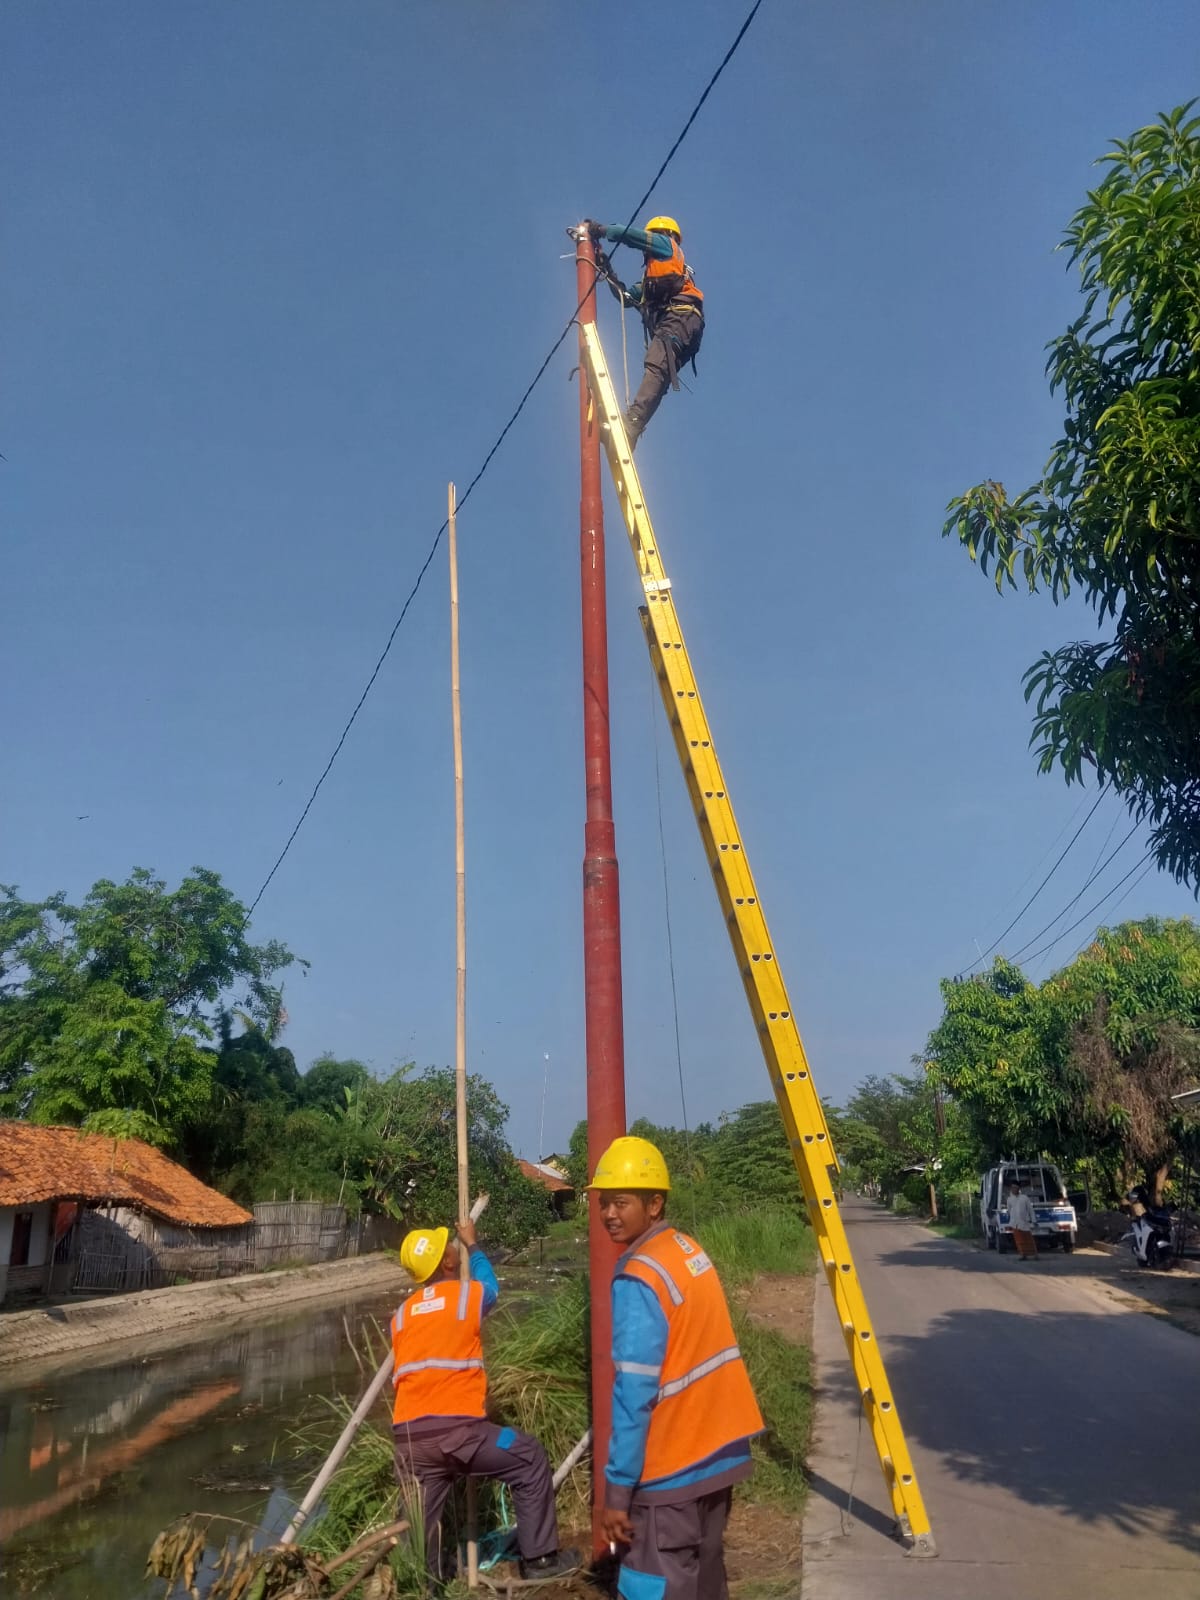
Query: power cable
[1058,863]
[487,461]
[1092,909]
[1120,900]
[1075,899]
[1037,866]
[1044,857]
[1107,837]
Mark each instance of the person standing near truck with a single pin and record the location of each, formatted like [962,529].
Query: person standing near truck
[1021,1216]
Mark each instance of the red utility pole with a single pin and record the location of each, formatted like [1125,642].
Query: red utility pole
[601,895]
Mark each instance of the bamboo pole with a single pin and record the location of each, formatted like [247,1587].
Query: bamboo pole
[460,995]
[334,1459]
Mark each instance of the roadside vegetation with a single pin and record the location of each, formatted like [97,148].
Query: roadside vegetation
[1080,1068]
[1116,511]
[146,1012]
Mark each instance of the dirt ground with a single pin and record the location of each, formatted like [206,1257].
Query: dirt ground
[763,1543]
[1110,1270]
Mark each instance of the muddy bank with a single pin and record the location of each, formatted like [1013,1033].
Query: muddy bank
[54,1334]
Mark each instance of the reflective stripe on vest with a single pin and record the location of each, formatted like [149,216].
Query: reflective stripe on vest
[438,1353]
[677,1385]
[666,280]
[705,1401]
[437,1362]
[657,1267]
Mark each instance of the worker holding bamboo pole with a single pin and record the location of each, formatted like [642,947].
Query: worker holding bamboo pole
[439,1417]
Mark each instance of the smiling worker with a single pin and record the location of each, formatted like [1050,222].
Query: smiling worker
[683,1409]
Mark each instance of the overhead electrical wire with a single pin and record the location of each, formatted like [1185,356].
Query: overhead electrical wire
[1147,869]
[1075,899]
[1058,863]
[1091,910]
[1037,865]
[487,461]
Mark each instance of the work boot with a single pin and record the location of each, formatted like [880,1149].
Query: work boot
[634,423]
[558,1564]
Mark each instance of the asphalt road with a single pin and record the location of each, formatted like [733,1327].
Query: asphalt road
[1056,1435]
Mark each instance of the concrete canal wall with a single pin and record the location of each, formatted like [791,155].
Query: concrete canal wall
[60,1331]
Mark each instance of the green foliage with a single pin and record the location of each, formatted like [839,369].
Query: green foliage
[770,1238]
[146,1012]
[1083,1066]
[1117,510]
[330,1084]
[109,1006]
[743,1160]
[539,1380]
[781,1372]
[900,1134]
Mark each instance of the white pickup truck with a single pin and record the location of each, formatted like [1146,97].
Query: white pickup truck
[1056,1224]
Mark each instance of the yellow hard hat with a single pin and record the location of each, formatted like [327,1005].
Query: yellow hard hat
[422,1251]
[664,225]
[631,1164]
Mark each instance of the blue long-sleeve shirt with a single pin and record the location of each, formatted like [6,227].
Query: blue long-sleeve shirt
[482,1273]
[639,1350]
[655,245]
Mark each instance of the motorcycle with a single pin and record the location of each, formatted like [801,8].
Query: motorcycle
[1150,1235]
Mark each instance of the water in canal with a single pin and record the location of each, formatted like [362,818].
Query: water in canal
[95,1460]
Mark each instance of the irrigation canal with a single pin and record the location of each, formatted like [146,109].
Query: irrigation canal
[95,1460]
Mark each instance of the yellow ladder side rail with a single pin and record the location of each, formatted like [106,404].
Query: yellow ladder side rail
[779,1036]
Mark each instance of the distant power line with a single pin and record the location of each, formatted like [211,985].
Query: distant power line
[1058,863]
[1091,910]
[1075,899]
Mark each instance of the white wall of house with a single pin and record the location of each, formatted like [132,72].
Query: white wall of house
[40,1238]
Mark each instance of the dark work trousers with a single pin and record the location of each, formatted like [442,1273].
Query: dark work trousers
[677,1551]
[467,1447]
[677,336]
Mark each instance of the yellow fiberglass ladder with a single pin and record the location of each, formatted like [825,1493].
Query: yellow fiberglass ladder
[791,1079]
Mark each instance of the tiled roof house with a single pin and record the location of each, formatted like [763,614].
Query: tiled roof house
[54,1182]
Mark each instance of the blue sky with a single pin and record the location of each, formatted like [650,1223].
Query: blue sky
[275,272]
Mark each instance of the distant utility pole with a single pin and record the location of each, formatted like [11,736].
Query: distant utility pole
[541,1149]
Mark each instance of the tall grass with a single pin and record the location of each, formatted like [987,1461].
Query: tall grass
[745,1242]
[539,1378]
[781,1374]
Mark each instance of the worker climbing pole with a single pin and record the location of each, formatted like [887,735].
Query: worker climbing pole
[779,1037]
[604,1029]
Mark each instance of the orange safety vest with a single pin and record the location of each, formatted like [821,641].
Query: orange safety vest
[437,1353]
[705,1400]
[664,281]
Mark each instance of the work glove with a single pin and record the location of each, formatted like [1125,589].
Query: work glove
[596,229]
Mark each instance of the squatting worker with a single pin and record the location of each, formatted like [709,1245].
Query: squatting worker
[683,1410]
[1023,1219]
[439,1419]
[671,305]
